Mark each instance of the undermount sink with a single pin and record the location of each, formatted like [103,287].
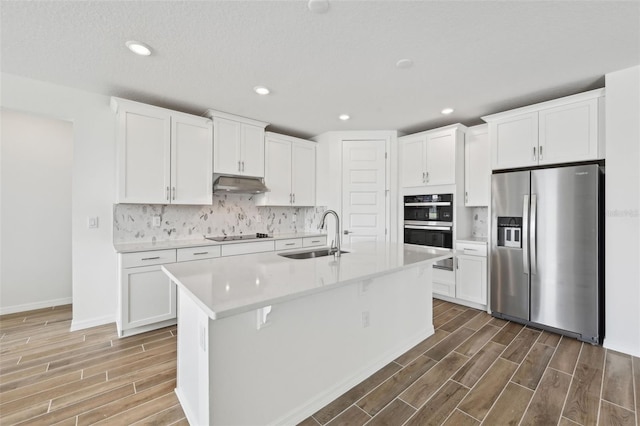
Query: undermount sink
[310,254]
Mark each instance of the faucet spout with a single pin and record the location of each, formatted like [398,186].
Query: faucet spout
[336,241]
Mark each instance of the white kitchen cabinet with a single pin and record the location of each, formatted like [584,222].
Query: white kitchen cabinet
[147,296]
[560,131]
[413,163]
[291,244]
[471,278]
[238,145]
[568,133]
[290,171]
[314,241]
[477,167]
[163,156]
[471,272]
[432,157]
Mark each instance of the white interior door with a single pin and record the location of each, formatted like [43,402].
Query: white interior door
[363,190]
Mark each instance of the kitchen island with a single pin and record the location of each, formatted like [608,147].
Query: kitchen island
[264,339]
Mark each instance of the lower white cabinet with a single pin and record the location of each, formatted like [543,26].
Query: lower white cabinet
[147,297]
[471,272]
[466,284]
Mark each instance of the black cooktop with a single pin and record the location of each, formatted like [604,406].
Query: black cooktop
[239,237]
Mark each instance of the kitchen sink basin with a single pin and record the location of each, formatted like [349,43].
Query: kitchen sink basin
[309,254]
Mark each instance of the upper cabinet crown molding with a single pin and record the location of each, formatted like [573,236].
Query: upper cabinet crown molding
[564,130]
[212,113]
[163,156]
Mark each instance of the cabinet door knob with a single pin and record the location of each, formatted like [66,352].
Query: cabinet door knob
[167,196]
[427,177]
[540,156]
[243,166]
[534,152]
[174,192]
[424,177]
[239,169]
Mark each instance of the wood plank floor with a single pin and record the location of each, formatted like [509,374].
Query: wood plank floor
[477,370]
[474,370]
[49,375]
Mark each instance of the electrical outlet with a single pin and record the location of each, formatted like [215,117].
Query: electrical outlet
[92,222]
[365,319]
[156,221]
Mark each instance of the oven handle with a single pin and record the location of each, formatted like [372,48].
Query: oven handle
[429,228]
[441,203]
[428,223]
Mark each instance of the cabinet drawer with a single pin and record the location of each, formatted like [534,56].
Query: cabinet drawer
[444,276]
[197,253]
[471,249]
[314,241]
[445,289]
[288,244]
[147,258]
[246,248]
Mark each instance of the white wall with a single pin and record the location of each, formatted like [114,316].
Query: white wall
[35,223]
[94,275]
[622,227]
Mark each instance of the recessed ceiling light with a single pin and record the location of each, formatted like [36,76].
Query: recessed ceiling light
[261,90]
[344,117]
[138,48]
[404,63]
[318,6]
[447,111]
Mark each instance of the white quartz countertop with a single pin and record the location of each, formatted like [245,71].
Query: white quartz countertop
[132,247]
[227,286]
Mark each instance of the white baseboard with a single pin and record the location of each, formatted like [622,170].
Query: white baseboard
[92,322]
[37,305]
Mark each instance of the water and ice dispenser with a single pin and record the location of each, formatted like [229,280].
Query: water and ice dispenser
[509,231]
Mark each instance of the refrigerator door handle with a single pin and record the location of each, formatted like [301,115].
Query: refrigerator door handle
[525,234]
[533,234]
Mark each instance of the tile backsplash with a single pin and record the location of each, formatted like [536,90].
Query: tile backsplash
[230,214]
[480,222]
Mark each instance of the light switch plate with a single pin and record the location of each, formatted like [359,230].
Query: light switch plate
[92,222]
[156,221]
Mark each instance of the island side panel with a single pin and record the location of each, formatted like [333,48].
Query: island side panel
[314,348]
[192,386]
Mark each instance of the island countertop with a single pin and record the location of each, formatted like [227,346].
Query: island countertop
[228,286]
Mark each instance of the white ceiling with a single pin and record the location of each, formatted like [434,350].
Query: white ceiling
[478,57]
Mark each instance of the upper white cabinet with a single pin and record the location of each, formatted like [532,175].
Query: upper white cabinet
[432,157]
[477,167]
[164,156]
[290,171]
[238,145]
[560,131]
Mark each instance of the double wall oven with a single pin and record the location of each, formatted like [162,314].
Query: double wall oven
[428,221]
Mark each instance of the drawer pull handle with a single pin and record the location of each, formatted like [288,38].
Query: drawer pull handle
[315,241]
[200,253]
[151,258]
[290,244]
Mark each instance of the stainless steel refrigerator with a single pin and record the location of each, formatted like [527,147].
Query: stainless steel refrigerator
[547,255]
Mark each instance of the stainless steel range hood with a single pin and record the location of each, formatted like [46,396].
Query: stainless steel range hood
[239,185]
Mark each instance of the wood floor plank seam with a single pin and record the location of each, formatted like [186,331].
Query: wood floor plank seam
[604,365]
